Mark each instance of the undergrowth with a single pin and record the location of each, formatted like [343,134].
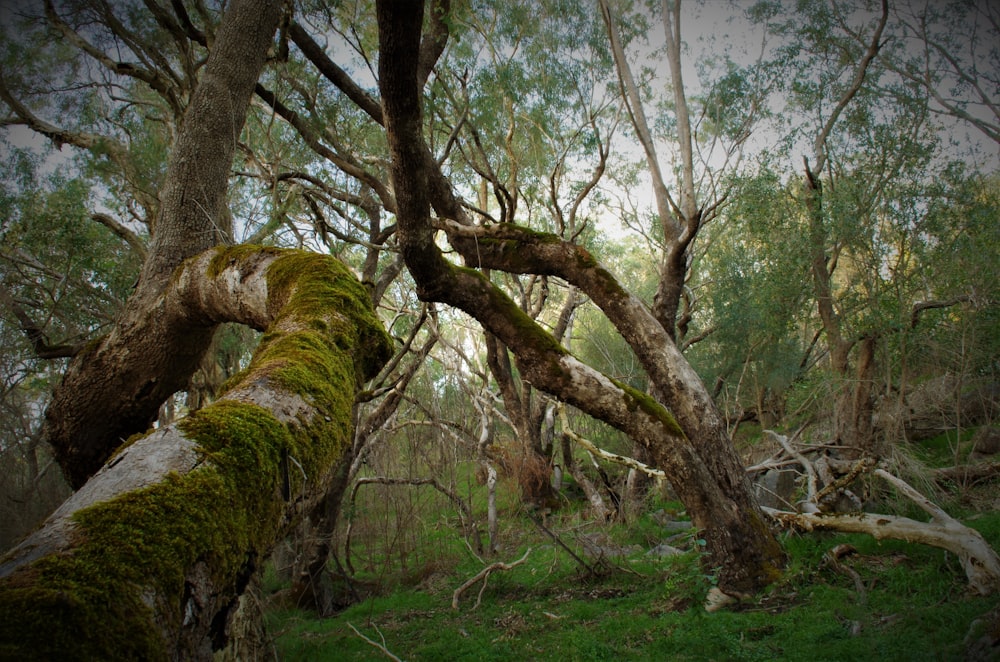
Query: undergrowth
[911,604]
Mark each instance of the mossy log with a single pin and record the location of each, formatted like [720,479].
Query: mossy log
[148,559]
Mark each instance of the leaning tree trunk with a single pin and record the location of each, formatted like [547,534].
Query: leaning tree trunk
[714,489]
[148,559]
[115,387]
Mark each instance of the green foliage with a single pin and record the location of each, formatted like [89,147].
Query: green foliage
[74,271]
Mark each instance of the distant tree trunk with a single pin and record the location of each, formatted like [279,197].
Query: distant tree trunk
[532,464]
[853,407]
[147,560]
[114,388]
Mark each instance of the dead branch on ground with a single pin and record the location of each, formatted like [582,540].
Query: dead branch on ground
[370,642]
[484,575]
[978,559]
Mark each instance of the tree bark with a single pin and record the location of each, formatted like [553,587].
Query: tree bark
[147,560]
[148,355]
[714,488]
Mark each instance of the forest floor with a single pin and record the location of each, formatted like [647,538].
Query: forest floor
[887,600]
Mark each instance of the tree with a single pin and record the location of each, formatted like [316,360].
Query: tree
[170,531]
[713,488]
[391,167]
[866,188]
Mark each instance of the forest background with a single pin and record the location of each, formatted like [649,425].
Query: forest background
[803,195]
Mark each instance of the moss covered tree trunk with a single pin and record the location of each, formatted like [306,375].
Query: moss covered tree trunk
[148,559]
[115,387]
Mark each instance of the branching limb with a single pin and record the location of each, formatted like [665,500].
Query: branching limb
[484,575]
[624,460]
[131,238]
[34,333]
[806,464]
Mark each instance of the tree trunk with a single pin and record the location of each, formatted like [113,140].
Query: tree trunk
[147,560]
[149,355]
[853,407]
[711,484]
[532,465]
[852,403]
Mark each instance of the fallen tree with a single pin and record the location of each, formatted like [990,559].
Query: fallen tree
[148,559]
[979,560]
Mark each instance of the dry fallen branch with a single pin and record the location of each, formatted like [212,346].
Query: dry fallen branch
[838,486]
[484,575]
[979,560]
[967,474]
[806,464]
[381,647]
[833,558]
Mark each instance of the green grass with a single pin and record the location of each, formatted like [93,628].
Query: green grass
[914,607]
[940,451]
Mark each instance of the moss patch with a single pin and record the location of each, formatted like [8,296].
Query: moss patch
[89,603]
[636,400]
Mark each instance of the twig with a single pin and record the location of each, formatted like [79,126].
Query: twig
[381,647]
[833,559]
[484,575]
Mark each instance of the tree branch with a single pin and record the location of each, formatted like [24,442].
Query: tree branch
[34,333]
[203,499]
[819,145]
[484,575]
[131,238]
[315,54]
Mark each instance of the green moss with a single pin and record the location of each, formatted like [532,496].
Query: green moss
[223,513]
[610,284]
[636,400]
[89,604]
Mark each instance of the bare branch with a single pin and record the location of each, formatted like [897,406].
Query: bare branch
[315,53]
[434,40]
[919,308]
[133,240]
[819,145]
[979,560]
[591,447]
[159,83]
[34,333]
[484,575]
[385,651]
